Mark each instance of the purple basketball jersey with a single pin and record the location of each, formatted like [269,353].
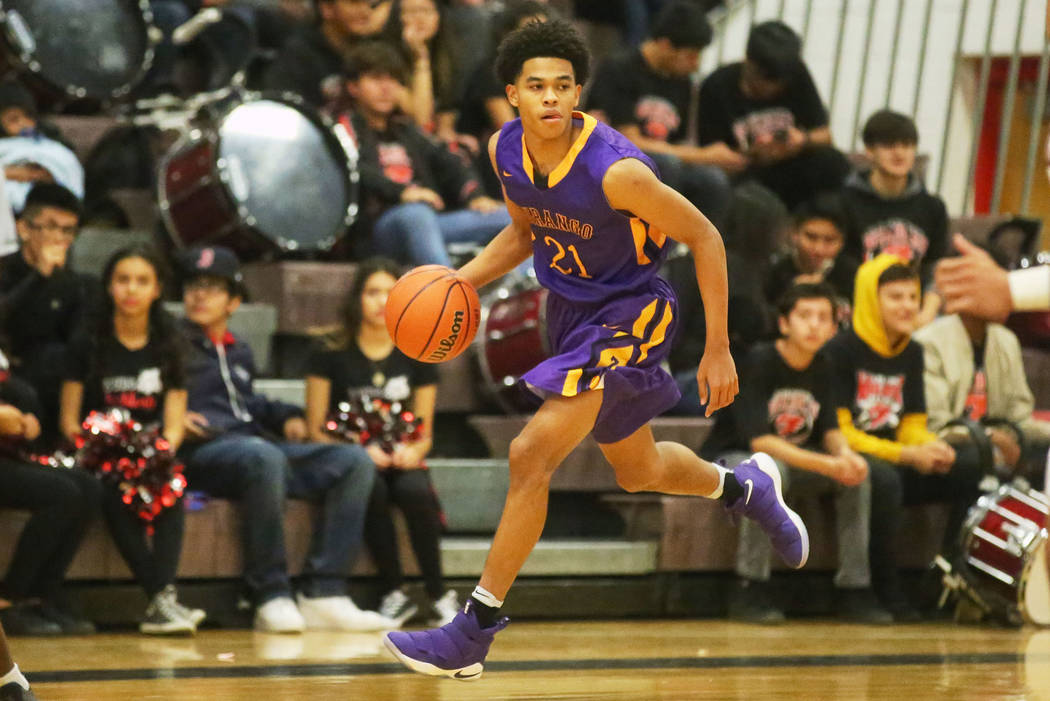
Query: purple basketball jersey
[583,249]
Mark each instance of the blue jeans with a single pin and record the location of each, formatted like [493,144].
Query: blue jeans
[416,234]
[260,474]
[707,187]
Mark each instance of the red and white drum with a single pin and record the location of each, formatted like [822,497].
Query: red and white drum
[513,340]
[1004,553]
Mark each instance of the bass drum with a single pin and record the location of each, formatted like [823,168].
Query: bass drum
[94,50]
[513,340]
[267,176]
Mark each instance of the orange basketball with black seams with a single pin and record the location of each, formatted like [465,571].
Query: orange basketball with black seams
[432,313]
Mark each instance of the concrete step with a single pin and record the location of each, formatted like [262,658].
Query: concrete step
[463,557]
[471,491]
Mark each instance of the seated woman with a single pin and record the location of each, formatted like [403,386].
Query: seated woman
[359,359]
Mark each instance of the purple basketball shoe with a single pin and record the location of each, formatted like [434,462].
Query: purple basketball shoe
[455,650]
[763,502]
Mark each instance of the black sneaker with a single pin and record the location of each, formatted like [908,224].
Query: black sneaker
[22,619]
[749,602]
[14,692]
[68,620]
[861,606]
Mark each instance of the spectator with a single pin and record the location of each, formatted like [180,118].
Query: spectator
[880,371]
[646,94]
[786,408]
[62,504]
[242,446]
[768,109]
[28,154]
[311,61]
[815,254]
[360,360]
[134,359]
[410,184]
[42,301]
[974,370]
[888,209]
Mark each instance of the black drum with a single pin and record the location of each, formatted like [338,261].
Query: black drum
[265,175]
[78,49]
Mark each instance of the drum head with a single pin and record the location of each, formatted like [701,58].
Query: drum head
[284,171]
[87,48]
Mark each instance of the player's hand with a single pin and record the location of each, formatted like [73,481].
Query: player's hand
[716,379]
[295,429]
[408,457]
[196,424]
[11,423]
[30,427]
[851,469]
[972,283]
[415,193]
[485,205]
[380,457]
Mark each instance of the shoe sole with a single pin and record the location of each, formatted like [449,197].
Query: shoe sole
[769,466]
[165,629]
[464,674]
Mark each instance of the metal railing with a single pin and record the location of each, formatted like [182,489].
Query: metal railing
[930,59]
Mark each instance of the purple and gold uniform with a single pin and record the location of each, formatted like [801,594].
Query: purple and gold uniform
[610,318]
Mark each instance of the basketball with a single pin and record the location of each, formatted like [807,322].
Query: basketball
[432,313]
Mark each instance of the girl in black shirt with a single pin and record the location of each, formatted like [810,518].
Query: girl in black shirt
[133,359]
[360,358]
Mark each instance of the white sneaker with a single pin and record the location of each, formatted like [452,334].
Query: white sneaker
[444,609]
[279,615]
[162,618]
[397,607]
[340,613]
[195,616]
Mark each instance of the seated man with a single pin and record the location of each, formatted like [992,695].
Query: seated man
[419,195]
[974,370]
[242,446]
[879,370]
[768,109]
[815,254]
[786,408]
[645,93]
[888,209]
[42,301]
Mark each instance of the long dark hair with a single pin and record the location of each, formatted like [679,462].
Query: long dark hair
[442,62]
[341,337]
[163,331]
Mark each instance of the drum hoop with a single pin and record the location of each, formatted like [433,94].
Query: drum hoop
[185,142]
[491,384]
[1022,581]
[27,62]
[328,135]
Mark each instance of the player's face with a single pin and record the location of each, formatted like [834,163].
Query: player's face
[818,242]
[895,160]
[545,94]
[375,93]
[810,324]
[208,301]
[134,286]
[899,306]
[373,298]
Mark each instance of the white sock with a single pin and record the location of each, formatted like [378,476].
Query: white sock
[485,597]
[16,676]
[722,472]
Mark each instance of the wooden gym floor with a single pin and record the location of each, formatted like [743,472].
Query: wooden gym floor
[626,660]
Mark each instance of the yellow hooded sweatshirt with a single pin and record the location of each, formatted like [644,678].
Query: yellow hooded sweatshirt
[885,401]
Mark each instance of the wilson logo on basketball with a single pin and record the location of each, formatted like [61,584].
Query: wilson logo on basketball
[449,342]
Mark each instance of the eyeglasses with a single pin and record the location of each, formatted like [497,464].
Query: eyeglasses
[69,232]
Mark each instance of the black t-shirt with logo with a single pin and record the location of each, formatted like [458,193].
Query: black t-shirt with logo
[632,94]
[122,378]
[727,115]
[353,374]
[796,405]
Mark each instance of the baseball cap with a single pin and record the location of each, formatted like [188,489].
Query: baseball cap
[776,49]
[216,261]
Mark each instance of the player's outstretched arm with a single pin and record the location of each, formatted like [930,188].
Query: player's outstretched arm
[508,249]
[630,185]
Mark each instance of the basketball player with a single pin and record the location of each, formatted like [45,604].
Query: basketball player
[590,208]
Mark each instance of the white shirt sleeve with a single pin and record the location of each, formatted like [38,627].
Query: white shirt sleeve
[8,234]
[1030,288]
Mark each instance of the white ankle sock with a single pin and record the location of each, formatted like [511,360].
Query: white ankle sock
[16,676]
[722,472]
[486,598]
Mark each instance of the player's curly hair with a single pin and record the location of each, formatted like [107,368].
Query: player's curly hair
[554,39]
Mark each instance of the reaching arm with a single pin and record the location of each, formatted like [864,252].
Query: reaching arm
[793,455]
[70,404]
[175,416]
[318,395]
[631,186]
